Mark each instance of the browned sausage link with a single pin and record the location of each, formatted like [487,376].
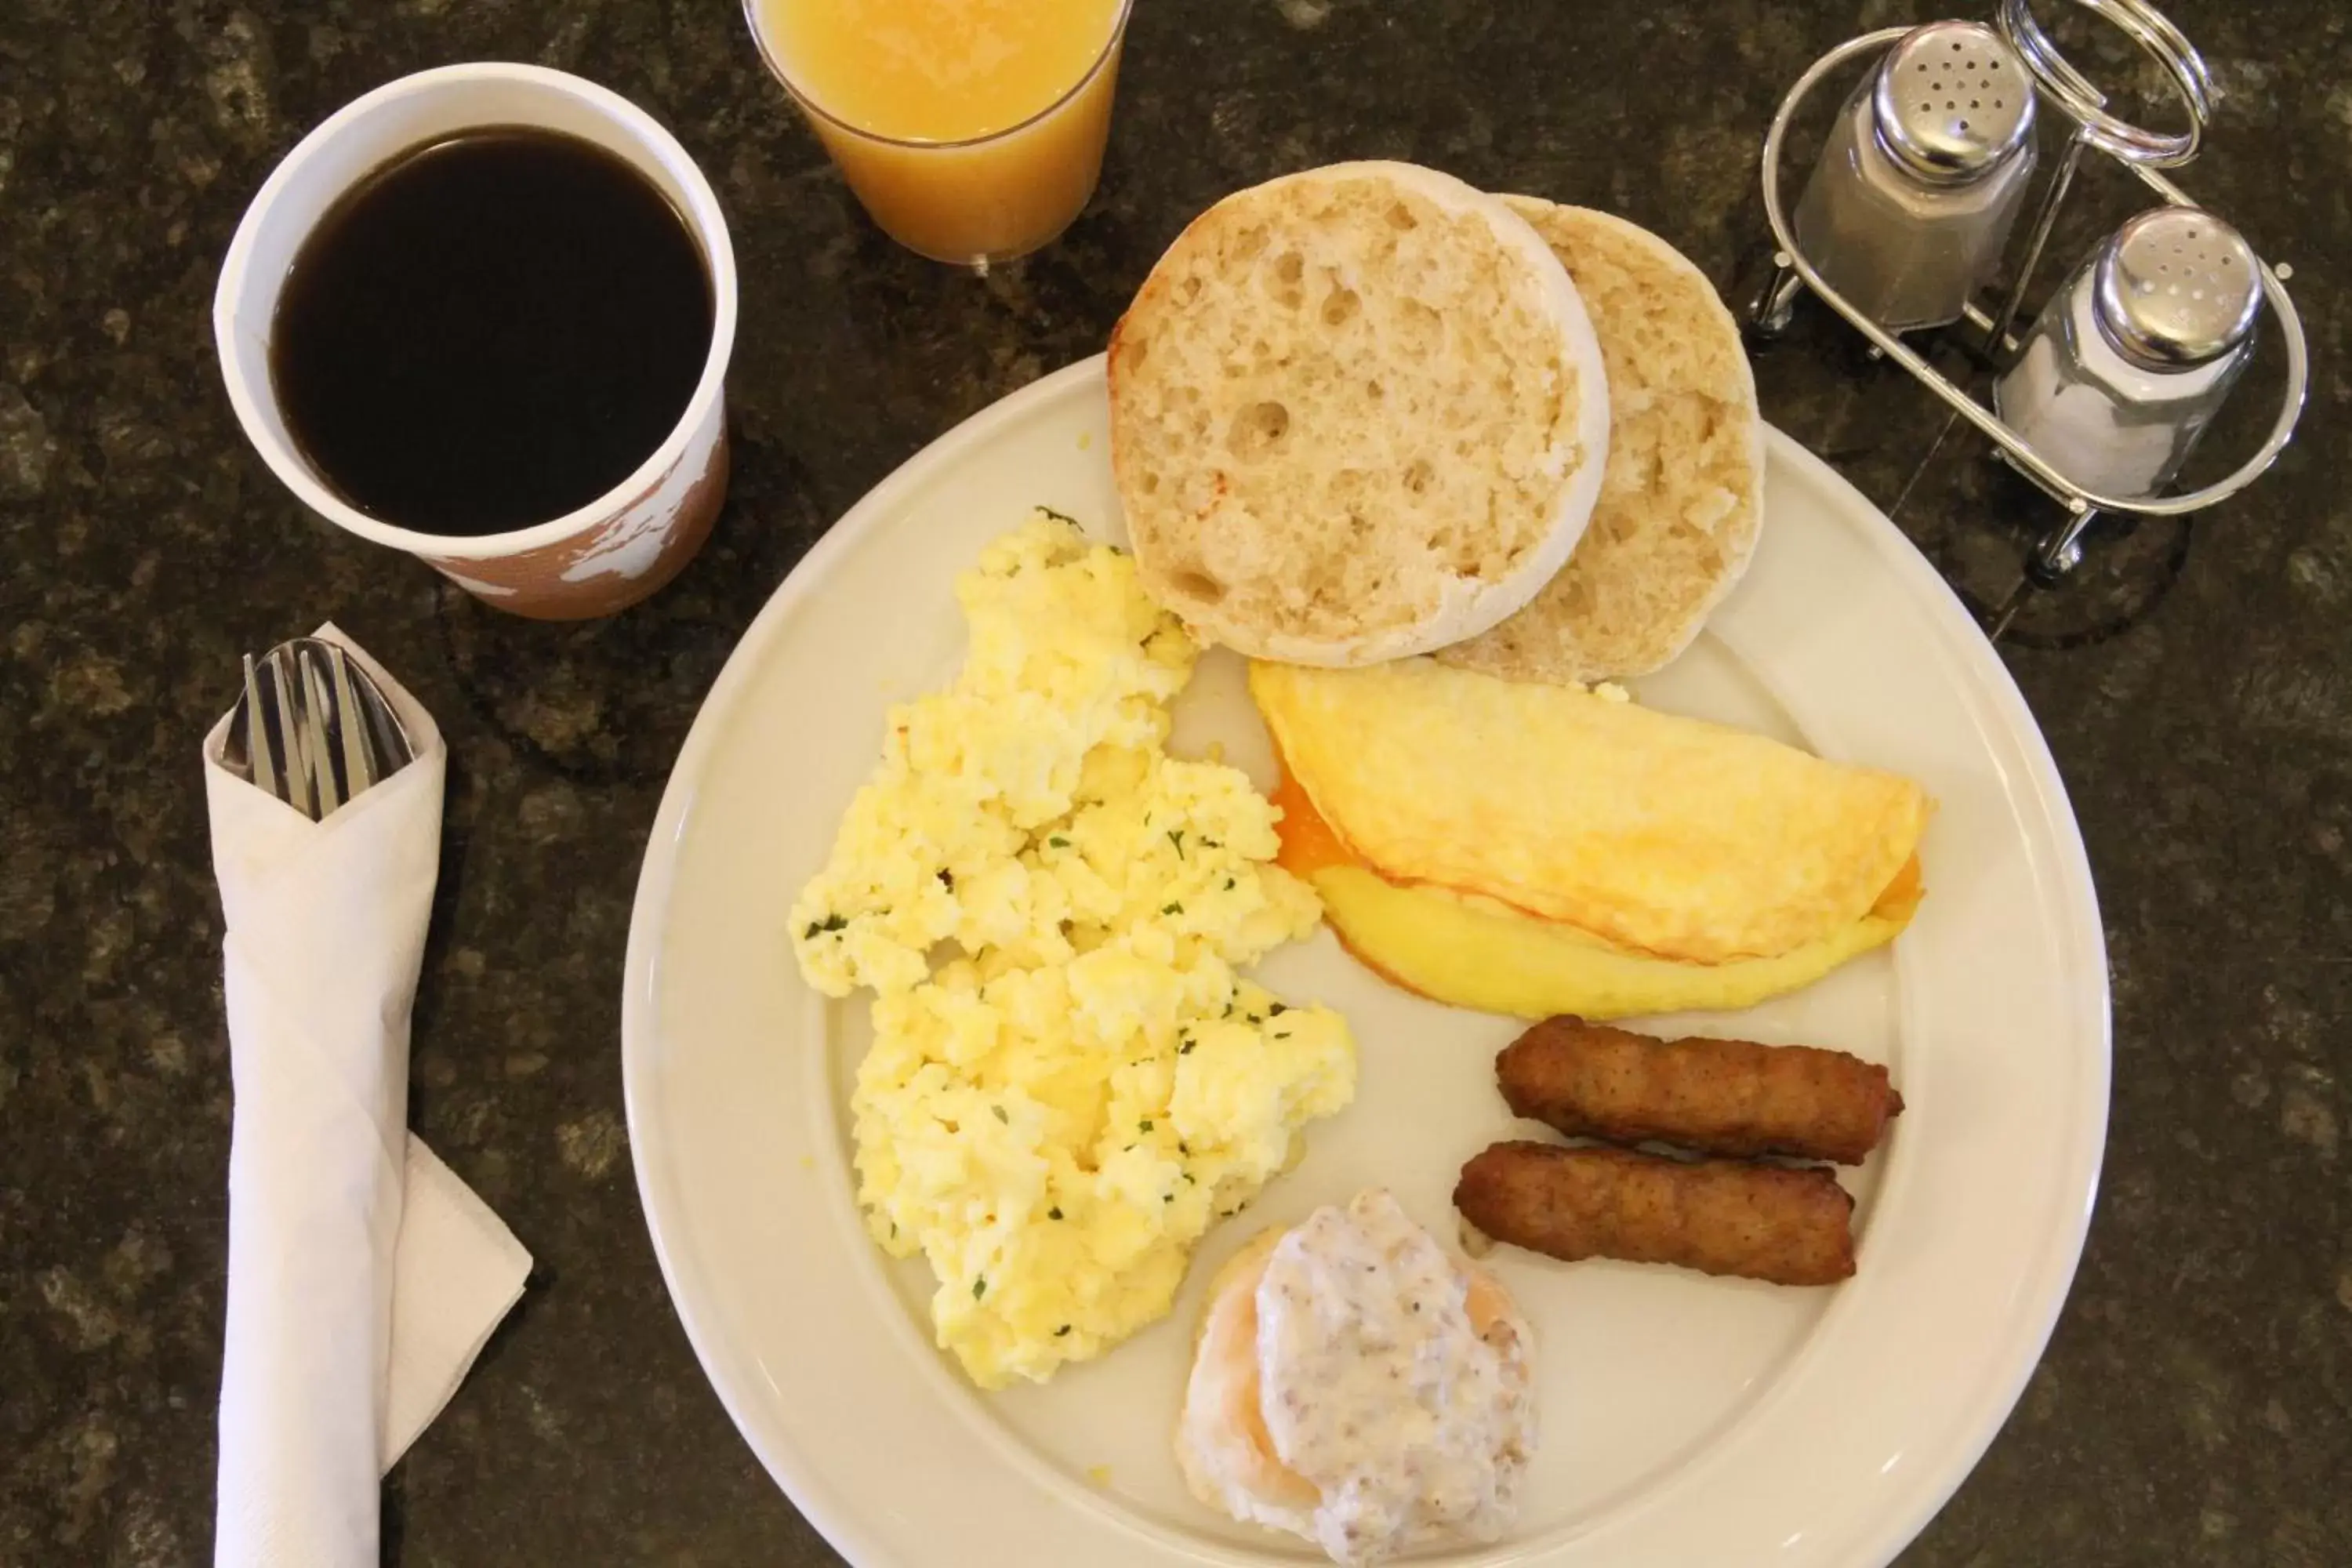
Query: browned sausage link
[1720,1216]
[1722,1097]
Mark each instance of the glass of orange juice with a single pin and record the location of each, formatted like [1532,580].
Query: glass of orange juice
[972,131]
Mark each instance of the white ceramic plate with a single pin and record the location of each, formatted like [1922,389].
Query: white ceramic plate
[1688,1421]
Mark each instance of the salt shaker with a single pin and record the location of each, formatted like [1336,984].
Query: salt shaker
[1926,171]
[2130,359]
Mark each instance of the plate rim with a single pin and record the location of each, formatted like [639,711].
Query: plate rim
[803,1477]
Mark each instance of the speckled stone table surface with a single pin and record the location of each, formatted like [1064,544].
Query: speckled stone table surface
[2196,1404]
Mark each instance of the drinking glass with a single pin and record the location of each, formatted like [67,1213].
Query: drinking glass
[974,202]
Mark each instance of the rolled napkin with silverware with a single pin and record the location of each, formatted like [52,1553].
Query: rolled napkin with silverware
[363,1276]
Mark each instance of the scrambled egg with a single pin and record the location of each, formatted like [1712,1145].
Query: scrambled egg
[1056,1113]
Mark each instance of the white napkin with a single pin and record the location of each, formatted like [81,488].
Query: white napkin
[363,1276]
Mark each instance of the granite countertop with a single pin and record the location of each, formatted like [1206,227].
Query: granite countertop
[2196,1404]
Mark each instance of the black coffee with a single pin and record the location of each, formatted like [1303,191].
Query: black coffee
[490,332]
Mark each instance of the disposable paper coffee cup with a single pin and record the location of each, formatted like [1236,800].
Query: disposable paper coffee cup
[628,541]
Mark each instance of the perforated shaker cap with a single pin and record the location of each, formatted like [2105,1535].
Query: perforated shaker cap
[2177,287]
[1952,102]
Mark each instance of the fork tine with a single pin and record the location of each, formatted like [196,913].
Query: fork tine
[357,735]
[261,753]
[291,725]
[319,729]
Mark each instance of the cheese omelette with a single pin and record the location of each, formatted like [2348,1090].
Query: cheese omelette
[1056,1113]
[1661,834]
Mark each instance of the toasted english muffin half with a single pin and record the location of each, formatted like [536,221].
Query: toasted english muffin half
[1682,499]
[1357,412]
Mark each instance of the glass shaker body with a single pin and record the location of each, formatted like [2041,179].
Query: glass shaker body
[1908,246]
[2114,386]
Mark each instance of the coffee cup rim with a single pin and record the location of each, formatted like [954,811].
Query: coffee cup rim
[297,474]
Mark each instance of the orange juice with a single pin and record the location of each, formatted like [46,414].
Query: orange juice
[971,130]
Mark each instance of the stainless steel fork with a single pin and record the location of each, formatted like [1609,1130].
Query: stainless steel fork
[314,729]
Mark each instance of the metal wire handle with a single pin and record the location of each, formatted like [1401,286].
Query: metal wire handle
[2087,106]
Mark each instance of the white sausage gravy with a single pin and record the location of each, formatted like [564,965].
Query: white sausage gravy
[1392,1381]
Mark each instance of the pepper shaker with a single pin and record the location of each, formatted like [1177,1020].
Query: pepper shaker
[2130,359]
[1924,175]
